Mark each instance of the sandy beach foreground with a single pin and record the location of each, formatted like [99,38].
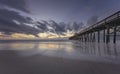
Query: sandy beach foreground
[12,63]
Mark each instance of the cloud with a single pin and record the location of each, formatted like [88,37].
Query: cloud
[8,25]
[17,4]
[12,22]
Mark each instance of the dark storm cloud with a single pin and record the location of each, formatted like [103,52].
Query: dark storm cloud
[11,15]
[7,25]
[17,4]
[55,27]
[42,26]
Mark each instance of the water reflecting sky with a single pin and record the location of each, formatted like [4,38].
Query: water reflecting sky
[98,52]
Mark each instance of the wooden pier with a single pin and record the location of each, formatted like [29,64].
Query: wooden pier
[102,29]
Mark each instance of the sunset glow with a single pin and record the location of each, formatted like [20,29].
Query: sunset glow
[30,36]
[42,35]
[18,35]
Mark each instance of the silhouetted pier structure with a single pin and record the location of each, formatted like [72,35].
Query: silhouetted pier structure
[106,25]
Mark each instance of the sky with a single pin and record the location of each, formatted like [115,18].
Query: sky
[65,10]
[72,10]
[51,18]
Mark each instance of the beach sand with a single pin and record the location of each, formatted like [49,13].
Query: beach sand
[12,63]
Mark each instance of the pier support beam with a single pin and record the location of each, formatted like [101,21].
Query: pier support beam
[108,35]
[104,35]
[86,37]
[94,39]
[114,36]
[98,36]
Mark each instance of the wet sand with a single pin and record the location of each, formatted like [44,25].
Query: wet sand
[13,63]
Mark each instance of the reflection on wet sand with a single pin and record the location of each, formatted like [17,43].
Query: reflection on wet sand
[59,58]
[22,46]
[50,46]
[69,50]
[101,51]
[17,46]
